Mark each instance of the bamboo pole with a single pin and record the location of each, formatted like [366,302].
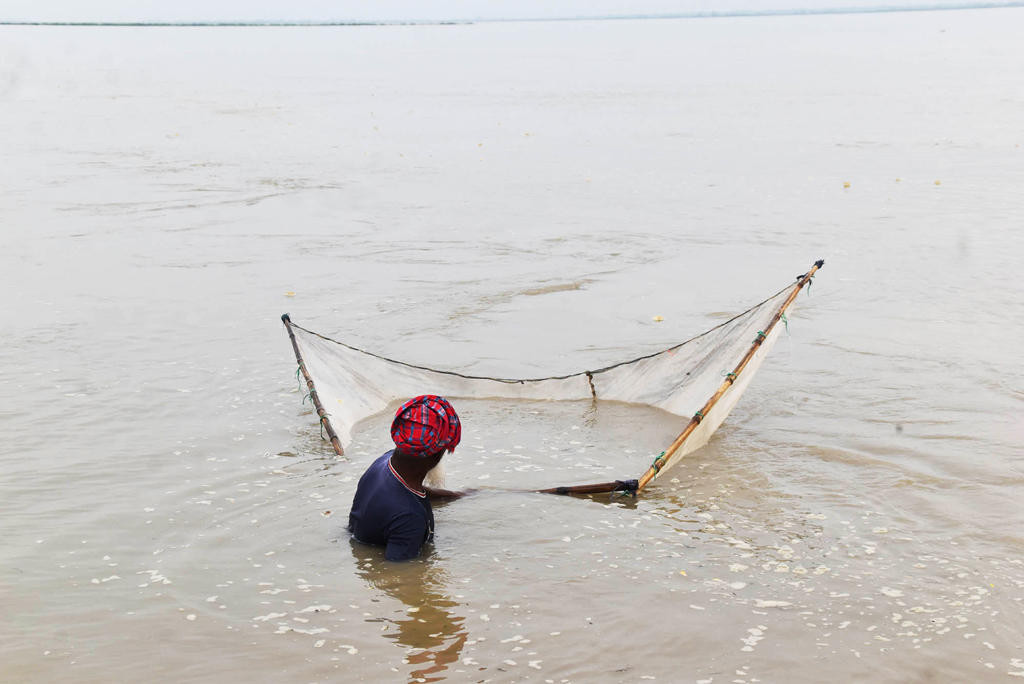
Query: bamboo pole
[324,420]
[659,462]
[655,467]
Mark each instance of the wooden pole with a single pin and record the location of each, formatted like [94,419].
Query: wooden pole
[659,462]
[627,487]
[655,468]
[324,420]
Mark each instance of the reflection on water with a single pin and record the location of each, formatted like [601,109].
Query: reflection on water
[433,635]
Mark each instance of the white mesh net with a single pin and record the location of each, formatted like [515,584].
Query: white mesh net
[353,384]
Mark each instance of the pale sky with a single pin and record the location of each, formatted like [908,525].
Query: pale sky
[404,10]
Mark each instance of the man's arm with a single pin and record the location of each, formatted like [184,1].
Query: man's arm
[434,494]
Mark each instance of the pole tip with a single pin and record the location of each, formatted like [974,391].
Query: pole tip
[286,318]
[819,263]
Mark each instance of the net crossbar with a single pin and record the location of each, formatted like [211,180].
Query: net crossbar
[700,379]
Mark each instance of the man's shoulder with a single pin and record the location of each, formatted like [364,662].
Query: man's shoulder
[384,487]
[377,469]
[381,462]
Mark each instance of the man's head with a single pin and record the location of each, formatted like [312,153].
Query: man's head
[423,430]
[425,427]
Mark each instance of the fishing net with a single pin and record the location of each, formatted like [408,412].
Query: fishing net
[352,384]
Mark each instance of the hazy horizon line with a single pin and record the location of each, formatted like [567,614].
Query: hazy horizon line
[607,17]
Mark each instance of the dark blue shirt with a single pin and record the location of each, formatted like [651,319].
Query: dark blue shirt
[388,513]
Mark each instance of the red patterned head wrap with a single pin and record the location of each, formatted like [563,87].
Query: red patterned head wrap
[425,426]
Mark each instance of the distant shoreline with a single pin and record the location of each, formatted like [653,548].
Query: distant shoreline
[610,17]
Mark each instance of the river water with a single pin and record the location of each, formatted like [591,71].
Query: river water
[517,199]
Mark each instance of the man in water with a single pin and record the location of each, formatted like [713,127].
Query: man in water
[392,502]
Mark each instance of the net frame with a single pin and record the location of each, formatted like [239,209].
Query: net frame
[656,379]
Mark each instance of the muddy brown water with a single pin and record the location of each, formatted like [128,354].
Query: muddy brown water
[518,199]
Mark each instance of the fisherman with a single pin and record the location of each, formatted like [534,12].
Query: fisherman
[391,507]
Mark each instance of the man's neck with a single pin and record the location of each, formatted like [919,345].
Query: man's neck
[411,472]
